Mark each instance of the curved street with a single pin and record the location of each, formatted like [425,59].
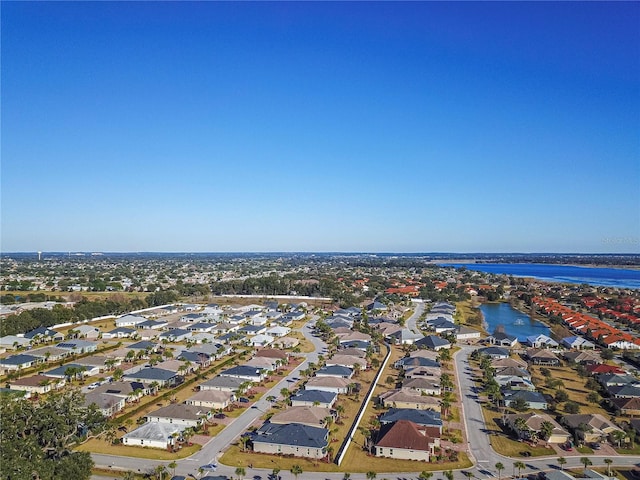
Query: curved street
[480,451]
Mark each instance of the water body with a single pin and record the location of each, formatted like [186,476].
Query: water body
[606,277]
[514,322]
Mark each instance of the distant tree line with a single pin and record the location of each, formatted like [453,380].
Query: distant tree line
[82,310]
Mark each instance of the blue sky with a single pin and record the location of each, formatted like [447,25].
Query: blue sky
[408,127]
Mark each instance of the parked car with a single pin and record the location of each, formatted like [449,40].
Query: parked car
[243,400]
[595,446]
[219,415]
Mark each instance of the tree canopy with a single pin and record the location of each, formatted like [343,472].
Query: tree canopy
[36,438]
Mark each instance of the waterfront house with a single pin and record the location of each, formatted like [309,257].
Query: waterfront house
[466,333]
[502,339]
[540,341]
[494,352]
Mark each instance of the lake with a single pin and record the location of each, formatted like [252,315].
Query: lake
[514,322]
[606,277]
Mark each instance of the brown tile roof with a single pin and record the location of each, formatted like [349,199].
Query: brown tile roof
[312,416]
[404,434]
[271,353]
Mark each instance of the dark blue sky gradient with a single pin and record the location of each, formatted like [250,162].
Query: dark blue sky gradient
[420,126]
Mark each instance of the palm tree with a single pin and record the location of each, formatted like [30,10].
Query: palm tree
[608,462]
[240,473]
[499,467]
[296,470]
[618,436]
[520,466]
[346,476]
[562,461]
[275,473]
[329,451]
[424,475]
[244,441]
[448,474]
[371,475]
[159,472]
[339,411]
[173,465]
[585,461]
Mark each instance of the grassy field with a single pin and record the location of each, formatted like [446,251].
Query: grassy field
[467,313]
[573,384]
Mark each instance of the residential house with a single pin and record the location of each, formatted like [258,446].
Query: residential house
[423,418]
[175,335]
[494,352]
[272,353]
[44,334]
[335,371]
[49,354]
[78,346]
[405,337]
[252,330]
[534,400]
[164,378]
[433,342]
[291,439]
[14,342]
[502,339]
[153,435]
[591,428]
[245,372]
[278,331]
[129,320]
[577,342]
[223,384]
[39,384]
[180,414]
[629,407]
[347,361]
[542,357]
[580,357]
[120,332]
[328,384]
[313,398]
[212,399]
[261,340]
[405,398]
[130,391]
[540,341]
[533,423]
[404,440]
[466,333]
[107,404]
[87,331]
[422,385]
[304,415]
[285,342]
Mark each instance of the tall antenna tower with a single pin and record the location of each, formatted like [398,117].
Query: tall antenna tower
[39,256]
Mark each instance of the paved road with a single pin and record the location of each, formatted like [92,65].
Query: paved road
[411,321]
[212,450]
[480,451]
